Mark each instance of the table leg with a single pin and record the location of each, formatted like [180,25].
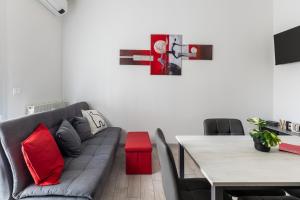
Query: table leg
[181,161]
[217,193]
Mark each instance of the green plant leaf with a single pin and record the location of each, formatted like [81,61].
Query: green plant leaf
[260,123]
[266,137]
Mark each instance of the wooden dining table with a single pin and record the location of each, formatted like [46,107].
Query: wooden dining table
[232,163]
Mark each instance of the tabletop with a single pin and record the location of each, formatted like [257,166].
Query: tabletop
[233,161]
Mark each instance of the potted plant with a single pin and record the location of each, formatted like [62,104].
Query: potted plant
[263,139]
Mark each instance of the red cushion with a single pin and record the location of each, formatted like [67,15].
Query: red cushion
[42,157]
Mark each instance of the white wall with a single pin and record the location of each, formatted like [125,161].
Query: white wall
[237,83]
[286,77]
[33,53]
[2,57]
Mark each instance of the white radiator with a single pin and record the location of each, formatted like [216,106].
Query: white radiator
[44,107]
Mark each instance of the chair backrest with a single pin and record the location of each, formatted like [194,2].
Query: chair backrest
[222,126]
[168,168]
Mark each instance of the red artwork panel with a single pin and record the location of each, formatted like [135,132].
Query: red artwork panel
[166,52]
[159,52]
[135,57]
[200,52]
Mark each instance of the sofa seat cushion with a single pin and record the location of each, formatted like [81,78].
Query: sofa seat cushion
[82,175]
[56,198]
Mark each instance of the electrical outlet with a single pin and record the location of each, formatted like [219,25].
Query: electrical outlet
[16,91]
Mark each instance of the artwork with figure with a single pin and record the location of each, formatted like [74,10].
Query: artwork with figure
[166,54]
[166,51]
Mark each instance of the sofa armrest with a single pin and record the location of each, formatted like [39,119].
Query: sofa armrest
[6,181]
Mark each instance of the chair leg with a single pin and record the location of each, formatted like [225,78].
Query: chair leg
[181,161]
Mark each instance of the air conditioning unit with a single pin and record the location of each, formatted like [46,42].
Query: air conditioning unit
[57,7]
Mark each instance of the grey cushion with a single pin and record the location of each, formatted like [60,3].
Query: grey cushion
[82,126]
[68,140]
[83,175]
[13,132]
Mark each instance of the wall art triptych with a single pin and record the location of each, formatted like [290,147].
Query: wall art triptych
[166,54]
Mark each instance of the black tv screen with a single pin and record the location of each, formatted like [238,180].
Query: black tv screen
[287,46]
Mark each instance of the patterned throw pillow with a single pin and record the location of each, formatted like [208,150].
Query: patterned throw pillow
[96,120]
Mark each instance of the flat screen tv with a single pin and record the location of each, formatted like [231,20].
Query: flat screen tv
[287,46]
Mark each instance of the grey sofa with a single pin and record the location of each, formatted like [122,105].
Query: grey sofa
[83,177]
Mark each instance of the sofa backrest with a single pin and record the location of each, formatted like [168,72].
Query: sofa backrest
[14,173]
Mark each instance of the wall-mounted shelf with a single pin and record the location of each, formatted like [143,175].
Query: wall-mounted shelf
[280,131]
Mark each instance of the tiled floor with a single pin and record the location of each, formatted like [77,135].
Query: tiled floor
[141,187]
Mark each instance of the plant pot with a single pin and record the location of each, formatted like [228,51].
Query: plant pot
[259,146]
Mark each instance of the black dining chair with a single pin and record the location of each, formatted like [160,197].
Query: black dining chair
[174,187]
[268,198]
[294,192]
[223,126]
[227,126]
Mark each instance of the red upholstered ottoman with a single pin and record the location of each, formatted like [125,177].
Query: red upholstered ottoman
[138,149]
